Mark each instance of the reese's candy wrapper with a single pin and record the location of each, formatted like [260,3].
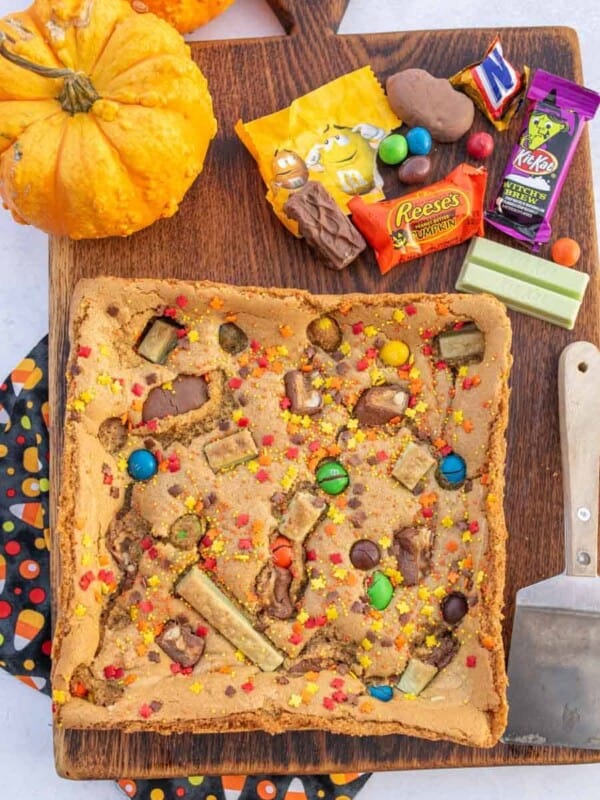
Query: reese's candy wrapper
[329,135]
[494,85]
[540,160]
[440,215]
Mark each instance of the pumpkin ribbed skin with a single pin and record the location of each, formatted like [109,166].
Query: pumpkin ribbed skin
[186,15]
[130,158]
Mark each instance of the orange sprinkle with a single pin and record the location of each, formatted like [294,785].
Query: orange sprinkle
[306,696]
[452,577]
[311,676]
[277,367]
[467,426]
[468,562]
[452,546]
[79,690]
[476,380]
[258,526]
[286,331]
[137,405]
[371,436]
[258,372]
[79,523]
[225,669]
[485,479]
[264,460]
[351,579]
[297,627]
[341,502]
[129,679]
[292,428]
[334,450]
[335,383]
[345,308]
[330,529]
[439,443]
[366,706]
[141,649]
[244,360]
[231,316]
[416,386]
[427,499]
[442,309]
[399,642]
[216,303]
[104,560]
[306,367]
[488,642]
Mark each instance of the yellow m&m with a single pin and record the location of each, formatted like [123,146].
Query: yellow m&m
[394,353]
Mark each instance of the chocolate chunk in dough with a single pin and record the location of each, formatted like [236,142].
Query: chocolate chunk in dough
[159,338]
[412,547]
[232,338]
[180,643]
[124,535]
[303,398]
[112,434]
[454,607]
[380,404]
[324,226]
[188,393]
[442,653]
[281,605]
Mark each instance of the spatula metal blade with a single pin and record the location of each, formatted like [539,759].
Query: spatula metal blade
[554,665]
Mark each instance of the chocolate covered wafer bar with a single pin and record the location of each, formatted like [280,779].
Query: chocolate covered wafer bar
[324,226]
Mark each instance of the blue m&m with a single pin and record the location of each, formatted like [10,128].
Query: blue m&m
[383,692]
[142,465]
[418,141]
[453,470]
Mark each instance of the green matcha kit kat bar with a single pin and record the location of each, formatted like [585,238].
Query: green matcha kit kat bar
[523,282]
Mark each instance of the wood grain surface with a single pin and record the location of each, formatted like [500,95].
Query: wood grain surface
[225,231]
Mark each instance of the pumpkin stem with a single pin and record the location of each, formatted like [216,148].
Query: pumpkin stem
[77,94]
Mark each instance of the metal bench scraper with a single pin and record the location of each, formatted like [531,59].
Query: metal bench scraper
[554,662]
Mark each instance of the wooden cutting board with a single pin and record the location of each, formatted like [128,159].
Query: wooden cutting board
[225,231]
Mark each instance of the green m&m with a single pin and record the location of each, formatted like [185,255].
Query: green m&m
[380,591]
[393,149]
[332,477]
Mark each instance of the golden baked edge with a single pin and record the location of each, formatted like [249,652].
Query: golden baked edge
[69,715]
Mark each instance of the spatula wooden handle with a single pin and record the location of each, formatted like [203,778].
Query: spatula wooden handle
[579,414]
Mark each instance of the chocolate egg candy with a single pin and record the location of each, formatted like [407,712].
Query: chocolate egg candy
[452,471]
[414,170]
[419,141]
[380,591]
[332,477]
[324,332]
[232,338]
[393,149]
[454,607]
[364,554]
[142,465]
[383,693]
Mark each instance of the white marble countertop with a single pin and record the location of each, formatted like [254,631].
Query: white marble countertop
[26,766]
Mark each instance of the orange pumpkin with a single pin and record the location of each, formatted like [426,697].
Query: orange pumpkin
[185,15]
[105,120]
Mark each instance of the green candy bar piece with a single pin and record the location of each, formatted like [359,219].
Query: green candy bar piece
[220,612]
[524,282]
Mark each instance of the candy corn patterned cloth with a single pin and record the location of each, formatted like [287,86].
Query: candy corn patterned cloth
[25,590]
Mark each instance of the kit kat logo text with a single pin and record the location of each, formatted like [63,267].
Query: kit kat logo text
[535,162]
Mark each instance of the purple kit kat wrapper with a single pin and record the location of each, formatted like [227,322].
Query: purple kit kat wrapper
[539,162]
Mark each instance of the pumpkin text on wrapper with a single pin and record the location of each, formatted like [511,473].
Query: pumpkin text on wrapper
[105,120]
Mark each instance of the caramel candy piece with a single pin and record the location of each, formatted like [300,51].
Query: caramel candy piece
[188,392]
[231,450]
[219,611]
[304,399]
[380,404]
[301,516]
[180,643]
[412,547]
[159,339]
[461,346]
[414,463]
[324,226]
